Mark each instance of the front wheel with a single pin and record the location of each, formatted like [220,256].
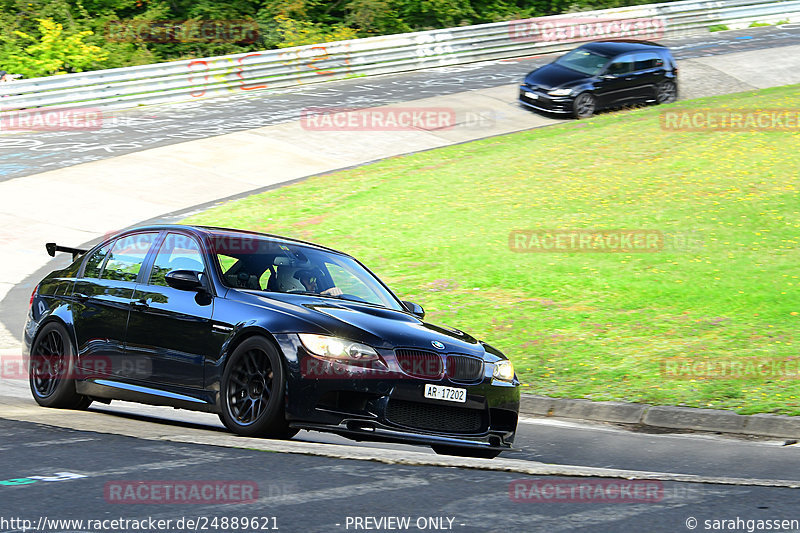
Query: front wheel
[52,370]
[666,92]
[252,391]
[465,452]
[584,105]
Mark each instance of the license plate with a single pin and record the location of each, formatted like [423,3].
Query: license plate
[532,95]
[450,394]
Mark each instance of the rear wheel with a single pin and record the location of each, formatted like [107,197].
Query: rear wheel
[252,391]
[584,105]
[666,92]
[52,372]
[465,452]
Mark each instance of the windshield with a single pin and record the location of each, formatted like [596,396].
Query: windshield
[258,263]
[583,61]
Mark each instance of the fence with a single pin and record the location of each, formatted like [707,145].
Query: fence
[241,73]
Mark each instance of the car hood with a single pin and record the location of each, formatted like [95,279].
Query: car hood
[376,326]
[552,76]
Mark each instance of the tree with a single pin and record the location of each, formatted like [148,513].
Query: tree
[375,17]
[55,52]
[299,32]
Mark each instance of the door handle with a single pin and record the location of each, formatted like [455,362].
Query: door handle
[140,304]
[80,296]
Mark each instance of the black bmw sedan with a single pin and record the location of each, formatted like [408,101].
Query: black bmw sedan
[601,75]
[272,334]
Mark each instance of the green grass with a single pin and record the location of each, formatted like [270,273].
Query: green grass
[718,27]
[762,24]
[435,226]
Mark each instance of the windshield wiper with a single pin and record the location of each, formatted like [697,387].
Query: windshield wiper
[311,293]
[338,297]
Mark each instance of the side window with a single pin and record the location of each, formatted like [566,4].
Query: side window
[178,252]
[127,256]
[647,60]
[94,264]
[622,65]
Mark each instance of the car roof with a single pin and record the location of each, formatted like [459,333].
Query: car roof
[218,232]
[614,48]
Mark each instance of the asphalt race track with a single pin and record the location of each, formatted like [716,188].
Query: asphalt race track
[22,155]
[58,466]
[319,494]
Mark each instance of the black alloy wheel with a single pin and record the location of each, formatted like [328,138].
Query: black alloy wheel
[52,370]
[252,391]
[584,105]
[666,92]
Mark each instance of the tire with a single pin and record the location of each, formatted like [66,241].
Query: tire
[584,105]
[51,370]
[666,92]
[252,391]
[465,452]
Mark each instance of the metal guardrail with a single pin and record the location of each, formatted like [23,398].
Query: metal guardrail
[240,73]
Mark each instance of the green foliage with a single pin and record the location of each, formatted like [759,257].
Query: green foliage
[379,17]
[297,32]
[429,14]
[78,38]
[55,52]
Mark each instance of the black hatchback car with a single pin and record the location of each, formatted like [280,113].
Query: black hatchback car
[601,75]
[273,334]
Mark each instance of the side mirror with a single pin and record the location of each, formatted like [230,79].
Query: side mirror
[184,280]
[414,309]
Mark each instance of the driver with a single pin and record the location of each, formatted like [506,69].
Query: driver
[310,279]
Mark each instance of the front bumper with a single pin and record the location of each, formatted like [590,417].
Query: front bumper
[387,405]
[371,431]
[541,101]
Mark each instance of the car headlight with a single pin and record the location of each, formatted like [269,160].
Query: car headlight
[560,92]
[337,348]
[503,370]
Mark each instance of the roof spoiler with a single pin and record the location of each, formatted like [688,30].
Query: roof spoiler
[52,248]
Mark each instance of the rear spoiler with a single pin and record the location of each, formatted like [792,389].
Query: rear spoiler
[52,248]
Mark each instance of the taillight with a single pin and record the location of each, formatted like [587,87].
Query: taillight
[33,295]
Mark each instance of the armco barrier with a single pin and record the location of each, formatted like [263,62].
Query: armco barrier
[241,73]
